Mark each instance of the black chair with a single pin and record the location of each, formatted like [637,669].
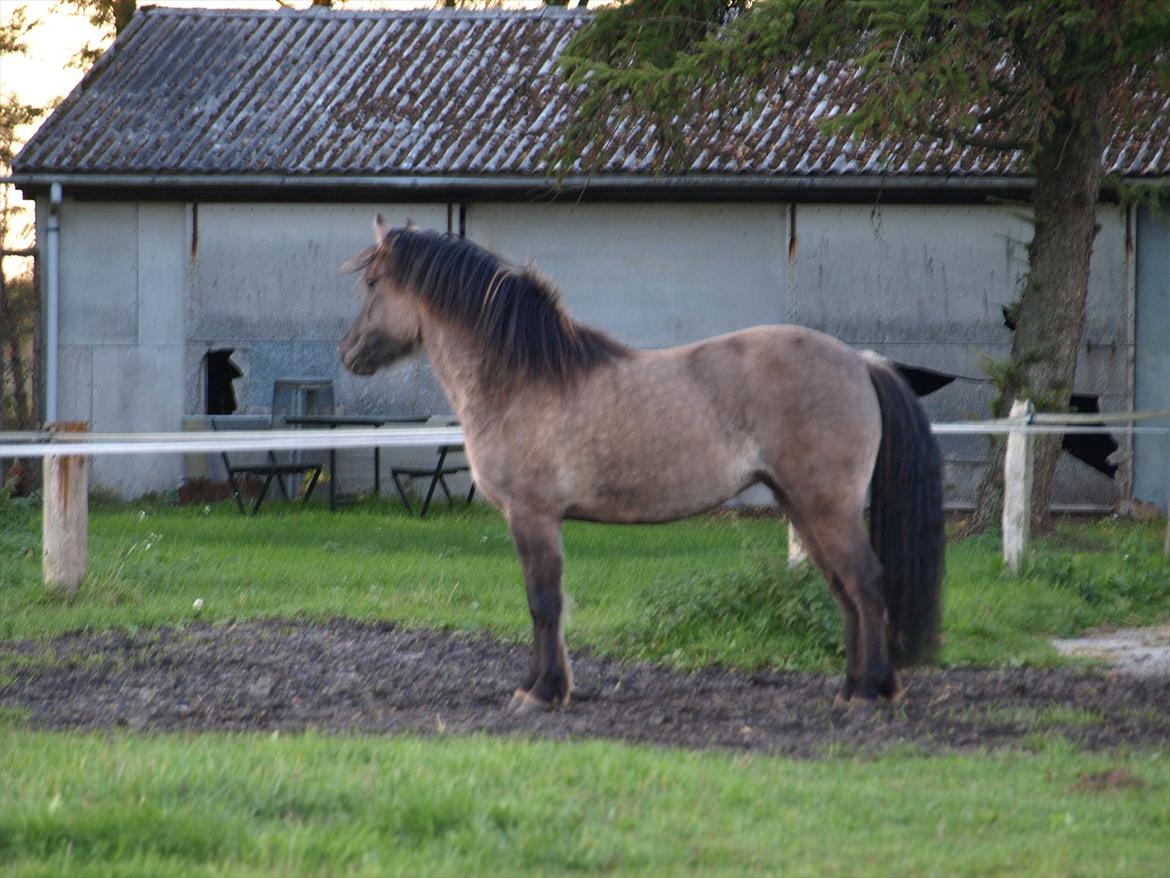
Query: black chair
[437,472]
[271,470]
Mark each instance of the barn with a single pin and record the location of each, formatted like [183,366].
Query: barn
[198,190]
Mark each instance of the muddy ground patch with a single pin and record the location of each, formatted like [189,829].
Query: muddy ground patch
[345,675]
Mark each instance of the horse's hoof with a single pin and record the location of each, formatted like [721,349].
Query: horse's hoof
[840,699]
[524,703]
[517,699]
[857,707]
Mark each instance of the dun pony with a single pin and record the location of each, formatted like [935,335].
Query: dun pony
[561,421]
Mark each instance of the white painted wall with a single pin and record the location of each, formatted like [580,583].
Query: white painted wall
[123,342]
[654,275]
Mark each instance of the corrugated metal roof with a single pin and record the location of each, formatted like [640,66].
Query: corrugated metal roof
[203,92]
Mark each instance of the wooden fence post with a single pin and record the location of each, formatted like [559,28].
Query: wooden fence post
[1017,489]
[65,521]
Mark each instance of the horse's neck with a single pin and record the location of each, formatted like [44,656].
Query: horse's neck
[458,363]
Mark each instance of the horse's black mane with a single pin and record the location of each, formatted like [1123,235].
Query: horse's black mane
[514,311]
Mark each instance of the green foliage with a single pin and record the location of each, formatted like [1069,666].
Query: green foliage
[1010,379]
[759,613]
[20,534]
[1154,194]
[14,31]
[994,74]
[1122,587]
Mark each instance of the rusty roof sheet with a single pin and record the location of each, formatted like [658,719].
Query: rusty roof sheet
[335,93]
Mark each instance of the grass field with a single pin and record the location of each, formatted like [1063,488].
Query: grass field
[315,804]
[710,590]
[702,591]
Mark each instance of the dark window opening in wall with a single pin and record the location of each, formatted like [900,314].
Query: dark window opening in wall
[218,375]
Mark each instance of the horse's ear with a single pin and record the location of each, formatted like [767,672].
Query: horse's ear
[381,228]
[358,262]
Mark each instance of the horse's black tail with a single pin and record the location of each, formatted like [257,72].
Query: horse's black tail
[906,516]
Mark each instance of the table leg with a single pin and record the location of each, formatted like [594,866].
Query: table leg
[332,479]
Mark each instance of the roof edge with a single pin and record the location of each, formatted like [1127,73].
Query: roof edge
[634,186]
[35,179]
[418,12]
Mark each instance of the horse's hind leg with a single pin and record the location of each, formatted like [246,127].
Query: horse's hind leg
[850,615]
[538,543]
[842,545]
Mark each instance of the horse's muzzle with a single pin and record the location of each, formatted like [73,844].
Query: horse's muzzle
[368,355]
[354,361]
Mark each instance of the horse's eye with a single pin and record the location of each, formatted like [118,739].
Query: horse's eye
[369,283]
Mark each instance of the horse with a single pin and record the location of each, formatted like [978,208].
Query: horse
[562,421]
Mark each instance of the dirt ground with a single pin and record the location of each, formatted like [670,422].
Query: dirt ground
[345,675]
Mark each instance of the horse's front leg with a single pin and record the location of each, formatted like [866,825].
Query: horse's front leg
[538,543]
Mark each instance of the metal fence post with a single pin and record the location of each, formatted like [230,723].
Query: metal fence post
[65,521]
[1017,488]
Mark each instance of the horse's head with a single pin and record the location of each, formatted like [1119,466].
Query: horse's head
[389,325]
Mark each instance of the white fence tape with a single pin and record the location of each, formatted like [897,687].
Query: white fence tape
[94,444]
[1098,417]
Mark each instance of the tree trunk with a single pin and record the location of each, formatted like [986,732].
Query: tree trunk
[123,11]
[1050,314]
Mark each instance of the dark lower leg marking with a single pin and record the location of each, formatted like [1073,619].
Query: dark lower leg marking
[538,543]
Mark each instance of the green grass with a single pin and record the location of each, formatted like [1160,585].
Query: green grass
[1108,573]
[708,590]
[215,804]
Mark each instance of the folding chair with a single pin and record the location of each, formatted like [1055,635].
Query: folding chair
[272,470]
[436,472]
